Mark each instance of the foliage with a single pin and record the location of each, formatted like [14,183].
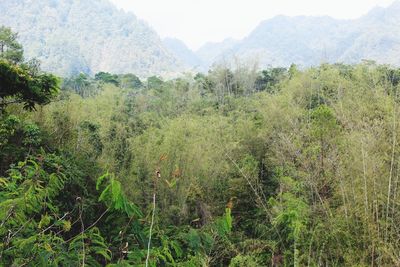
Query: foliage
[81,84]
[10,49]
[303,172]
[33,225]
[270,78]
[22,82]
[130,81]
[19,85]
[106,77]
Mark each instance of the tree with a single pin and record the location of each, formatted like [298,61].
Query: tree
[130,81]
[293,70]
[19,85]
[22,83]
[10,49]
[81,84]
[268,79]
[107,78]
[154,82]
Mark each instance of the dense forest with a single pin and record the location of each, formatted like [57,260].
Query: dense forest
[236,167]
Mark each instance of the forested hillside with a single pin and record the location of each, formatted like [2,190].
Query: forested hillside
[188,58]
[238,167]
[72,36]
[310,41]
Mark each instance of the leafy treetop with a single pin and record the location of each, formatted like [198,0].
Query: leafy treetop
[22,82]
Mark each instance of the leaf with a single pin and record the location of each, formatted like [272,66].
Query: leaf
[172,183]
[100,180]
[66,226]
[45,221]
[177,248]
[105,254]
[48,248]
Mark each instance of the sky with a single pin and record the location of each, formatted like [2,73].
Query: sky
[199,21]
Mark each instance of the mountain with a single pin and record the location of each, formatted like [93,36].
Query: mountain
[72,36]
[377,36]
[212,51]
[285,40]
[178,48]
[308,41]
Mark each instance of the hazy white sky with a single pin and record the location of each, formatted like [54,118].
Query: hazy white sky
[198,21]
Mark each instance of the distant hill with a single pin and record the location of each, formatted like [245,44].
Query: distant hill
[283,40]
[211,52]
[179,49]
[71,36]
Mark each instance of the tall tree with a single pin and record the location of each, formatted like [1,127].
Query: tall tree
[10,49]
[22,82]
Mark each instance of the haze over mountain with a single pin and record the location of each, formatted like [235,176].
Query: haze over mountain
[72,36]
[210,52]
[307,41]
[179,49]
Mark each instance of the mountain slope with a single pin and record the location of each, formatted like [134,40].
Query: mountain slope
[183,53]
[377,37]
[211,52]
[308,41]
[71,36]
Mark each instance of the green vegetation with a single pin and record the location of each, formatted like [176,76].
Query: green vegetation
[10,49]
[273,168]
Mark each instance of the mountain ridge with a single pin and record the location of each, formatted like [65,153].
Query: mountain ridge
[312,40]
[180,50]
[72,36]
